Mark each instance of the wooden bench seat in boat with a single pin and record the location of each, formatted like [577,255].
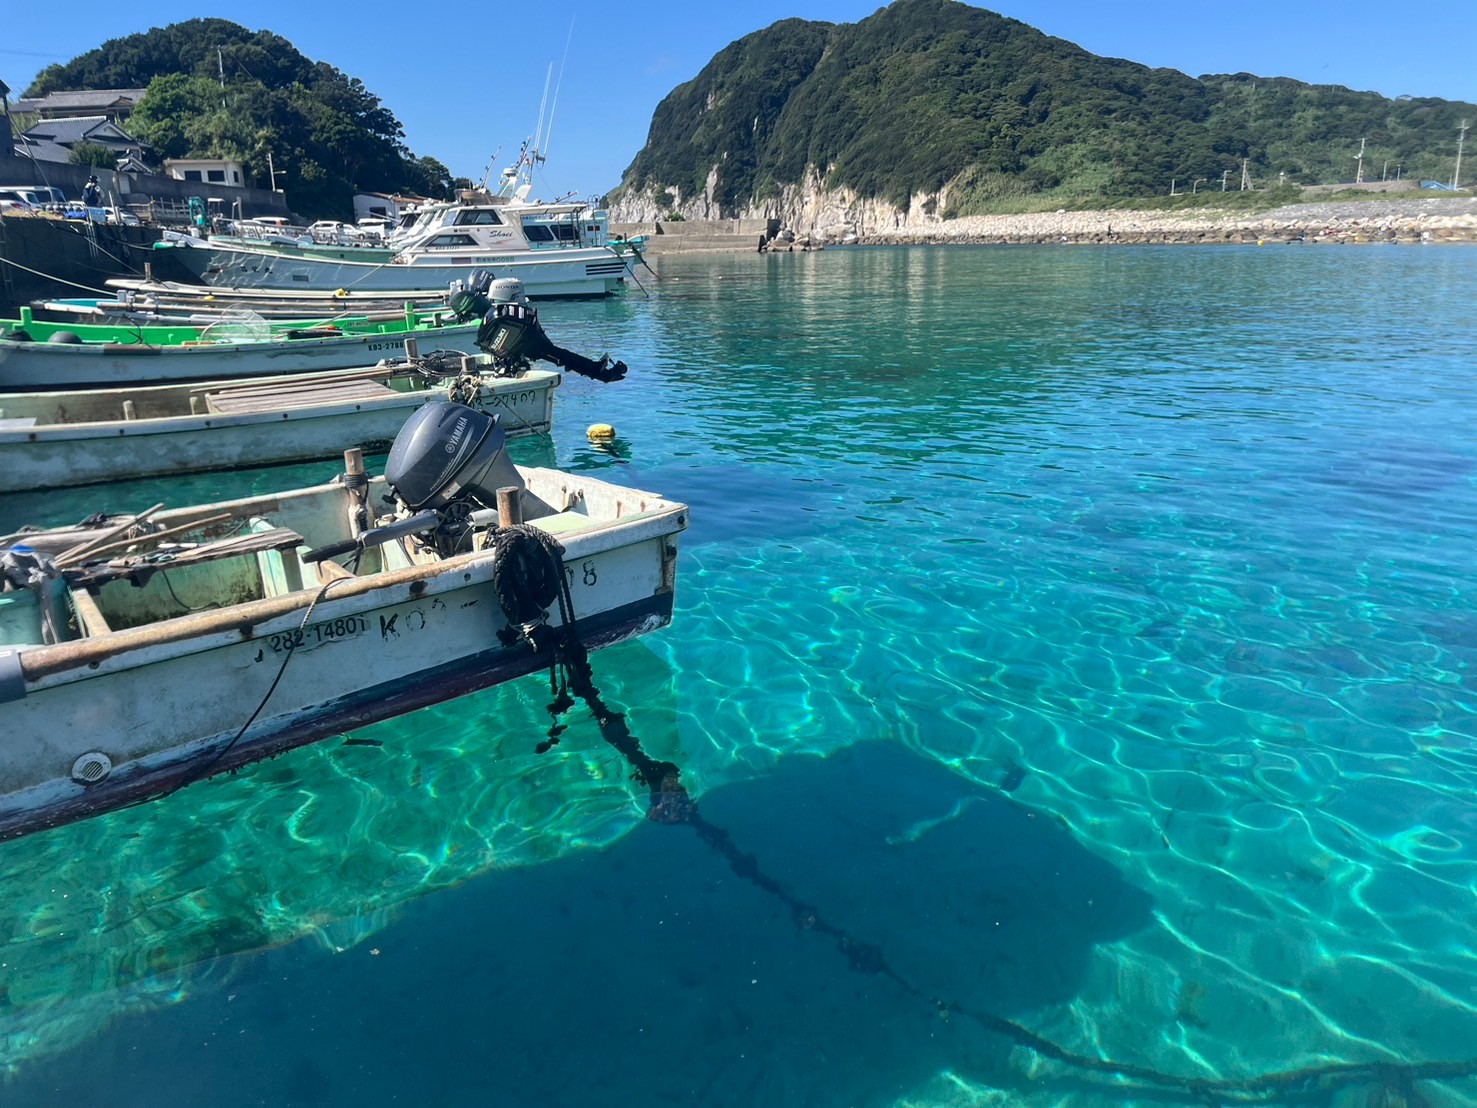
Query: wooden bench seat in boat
[264,398]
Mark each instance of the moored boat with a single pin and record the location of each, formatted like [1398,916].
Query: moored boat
[140,300]
[36,354]
[145,653]
[557,249]
[61,439]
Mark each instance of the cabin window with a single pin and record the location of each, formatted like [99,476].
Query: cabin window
[216,175]
[193,175]
[450,240]
[478,217]
[551,232]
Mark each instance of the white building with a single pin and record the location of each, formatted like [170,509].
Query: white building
[382,205]
[213,171]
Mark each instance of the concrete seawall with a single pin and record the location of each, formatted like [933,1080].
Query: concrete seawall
[701,235]
[1384,219]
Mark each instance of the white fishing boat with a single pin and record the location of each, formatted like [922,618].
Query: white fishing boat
[558,249]
[38,354]
[149,299]
[52,440]
[150,652]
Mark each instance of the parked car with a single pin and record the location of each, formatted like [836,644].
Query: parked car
[23,196]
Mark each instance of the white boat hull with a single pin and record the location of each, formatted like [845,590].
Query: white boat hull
[169,703]
[561,272]
[43,365]
[68,454]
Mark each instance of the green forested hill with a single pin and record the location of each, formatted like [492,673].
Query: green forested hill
[926,92]
[328,135]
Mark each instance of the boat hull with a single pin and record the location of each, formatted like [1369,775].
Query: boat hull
[44,365]
[69,454]
[572,272]
[174,702]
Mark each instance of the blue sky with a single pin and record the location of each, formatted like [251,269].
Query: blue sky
[466,80]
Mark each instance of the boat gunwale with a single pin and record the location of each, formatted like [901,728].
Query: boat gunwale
[162,425]
[101,348]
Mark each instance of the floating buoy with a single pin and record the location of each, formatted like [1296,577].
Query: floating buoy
[600,432]
[340,292]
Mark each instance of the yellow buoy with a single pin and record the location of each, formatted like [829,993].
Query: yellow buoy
[340,292]
[600,432]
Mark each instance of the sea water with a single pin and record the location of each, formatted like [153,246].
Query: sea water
[1074,642]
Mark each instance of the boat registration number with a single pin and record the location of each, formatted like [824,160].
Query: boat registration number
[347,627]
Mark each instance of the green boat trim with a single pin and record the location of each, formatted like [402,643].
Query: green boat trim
[410,323]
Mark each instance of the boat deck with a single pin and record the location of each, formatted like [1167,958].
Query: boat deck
[264,398]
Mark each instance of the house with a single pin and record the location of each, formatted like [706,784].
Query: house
[113,104]
[215,171]
[383,205]
[52,140]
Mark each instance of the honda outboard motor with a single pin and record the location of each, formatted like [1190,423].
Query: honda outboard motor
[449,452]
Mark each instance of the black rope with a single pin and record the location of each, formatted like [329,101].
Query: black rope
[670,803]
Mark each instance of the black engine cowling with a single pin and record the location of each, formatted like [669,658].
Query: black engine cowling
[448,452]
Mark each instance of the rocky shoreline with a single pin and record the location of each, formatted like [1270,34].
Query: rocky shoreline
[1429,220]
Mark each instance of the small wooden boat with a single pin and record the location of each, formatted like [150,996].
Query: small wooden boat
[143,653]
[36,354]
[51,440]
[172,297]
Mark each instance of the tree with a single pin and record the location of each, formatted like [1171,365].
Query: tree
[326,133]
[93,154]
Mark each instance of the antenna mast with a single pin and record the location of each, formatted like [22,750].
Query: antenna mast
[548,137]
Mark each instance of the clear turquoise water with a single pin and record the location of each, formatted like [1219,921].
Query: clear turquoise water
[1090,629]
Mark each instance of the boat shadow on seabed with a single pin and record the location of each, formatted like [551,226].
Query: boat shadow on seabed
[649,972]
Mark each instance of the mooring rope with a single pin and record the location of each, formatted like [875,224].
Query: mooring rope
[526,602]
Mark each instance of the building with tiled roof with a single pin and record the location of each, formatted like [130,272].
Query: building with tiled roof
[115,104]
[52,140]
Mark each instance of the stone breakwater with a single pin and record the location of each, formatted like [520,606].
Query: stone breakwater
[1408,221]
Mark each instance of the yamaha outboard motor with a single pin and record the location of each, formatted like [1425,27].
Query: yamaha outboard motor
[446,464]
[449,452]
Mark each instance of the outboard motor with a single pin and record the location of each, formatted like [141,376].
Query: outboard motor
[511,333]
[470,301]
[449,452]
[446,466]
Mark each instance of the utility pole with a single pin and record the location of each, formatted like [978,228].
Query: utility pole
[221,62]
[1384,169]
[1245,176]
[1171,186]
[1359,176]
[1225,175]
[1461,136]
[272,170]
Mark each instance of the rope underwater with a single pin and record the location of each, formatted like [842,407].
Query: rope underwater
[528,577]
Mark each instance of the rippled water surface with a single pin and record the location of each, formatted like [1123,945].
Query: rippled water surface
[1090,631]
